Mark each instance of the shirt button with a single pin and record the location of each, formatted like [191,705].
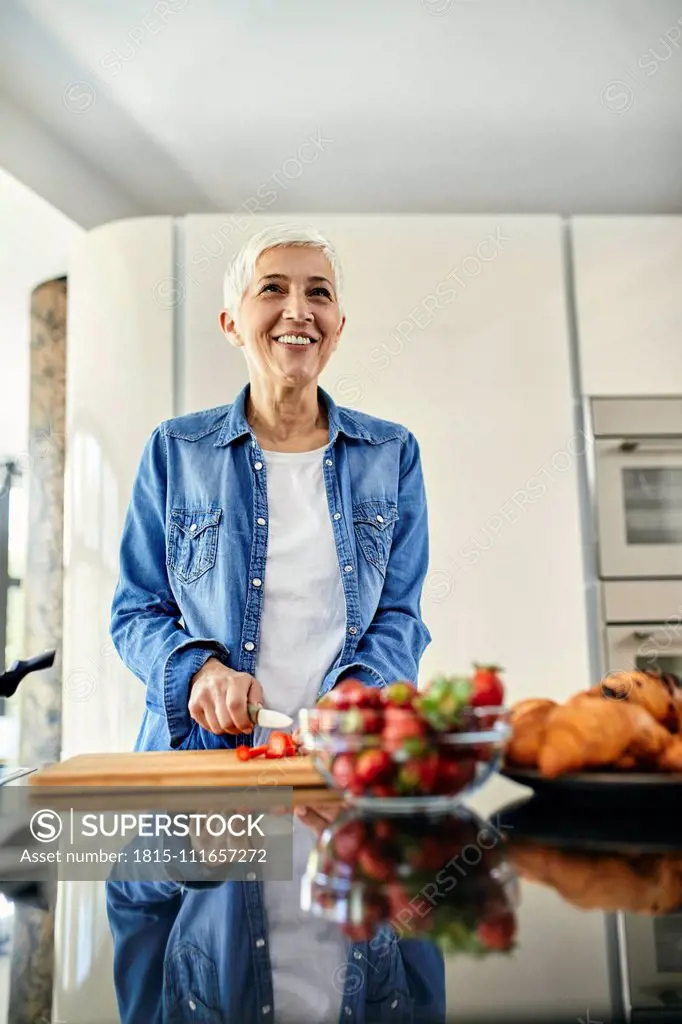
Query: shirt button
[394,1004]
[327,462]
[266,1008]
[337,515]
[251,877]
[357,954]
[349,1012]
[380,519]
[256,582]
[192,1005]
[348,568]
[260,521]
[352,629]
[193,528]
[248,646]
[258,465]
[260,943]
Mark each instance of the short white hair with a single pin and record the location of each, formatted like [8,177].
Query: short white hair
[243,266]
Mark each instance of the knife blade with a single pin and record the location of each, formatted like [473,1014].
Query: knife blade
[269,719]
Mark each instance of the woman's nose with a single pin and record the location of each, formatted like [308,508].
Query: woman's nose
[298,308]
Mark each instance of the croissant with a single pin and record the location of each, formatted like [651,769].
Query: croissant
[643,884]
[645,688]
[529,719]
[593,733]
[670,759]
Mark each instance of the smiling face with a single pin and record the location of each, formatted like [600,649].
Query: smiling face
[289,322]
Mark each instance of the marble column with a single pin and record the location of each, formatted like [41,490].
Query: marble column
[40,696]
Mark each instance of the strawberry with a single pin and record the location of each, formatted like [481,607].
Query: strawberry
[372,766]
[399,695]
[349,840]
[400,724]
[343,770]
[418,775]
[498,932]
[382,790]
[348,694]
[374,866]
[453,775]
[488,687]
[426,855]
[361,720]
[442,705]
[384,829]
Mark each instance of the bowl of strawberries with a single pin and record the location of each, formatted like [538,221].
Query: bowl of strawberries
[397,749]
[442,877]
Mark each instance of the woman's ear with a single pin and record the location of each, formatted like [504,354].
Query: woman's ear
[339,330]
[229,328]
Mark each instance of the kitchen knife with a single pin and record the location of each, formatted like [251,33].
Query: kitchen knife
[269,719]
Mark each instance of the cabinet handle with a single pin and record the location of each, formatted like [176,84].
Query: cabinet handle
[627,447]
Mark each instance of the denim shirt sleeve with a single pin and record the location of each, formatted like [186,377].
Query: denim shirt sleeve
[145,618]
[395,640]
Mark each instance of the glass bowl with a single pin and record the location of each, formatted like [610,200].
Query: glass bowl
[386,760]
[443,877]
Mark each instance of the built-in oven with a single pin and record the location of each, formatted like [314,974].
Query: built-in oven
[643,625]
[638,486]
[649,950]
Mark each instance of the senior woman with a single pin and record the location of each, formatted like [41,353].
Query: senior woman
[272,547]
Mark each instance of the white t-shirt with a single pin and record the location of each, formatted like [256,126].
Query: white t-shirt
[303,622]
[303,616]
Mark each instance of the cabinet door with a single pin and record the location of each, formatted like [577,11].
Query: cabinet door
[628,274]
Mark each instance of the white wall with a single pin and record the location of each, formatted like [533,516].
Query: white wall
[628,273]
[35,240]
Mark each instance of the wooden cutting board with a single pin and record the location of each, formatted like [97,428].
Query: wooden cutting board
[178,769]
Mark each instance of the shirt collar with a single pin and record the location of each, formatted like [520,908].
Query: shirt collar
[341,421]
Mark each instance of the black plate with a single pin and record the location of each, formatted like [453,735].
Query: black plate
[646,790]
[589,828]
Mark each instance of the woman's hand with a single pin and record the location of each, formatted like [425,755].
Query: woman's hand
[219,698]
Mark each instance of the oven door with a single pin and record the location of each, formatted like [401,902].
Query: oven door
[651,965]
[639,506]
[645,647]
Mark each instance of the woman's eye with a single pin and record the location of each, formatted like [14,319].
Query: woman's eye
[268,286]
[325,291]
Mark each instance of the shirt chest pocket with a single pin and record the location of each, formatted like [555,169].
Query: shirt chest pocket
[192,542]
[374,523]
[191,990]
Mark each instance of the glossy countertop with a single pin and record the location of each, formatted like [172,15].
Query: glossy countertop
[596,934]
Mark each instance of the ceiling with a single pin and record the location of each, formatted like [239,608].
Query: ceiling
[460,106]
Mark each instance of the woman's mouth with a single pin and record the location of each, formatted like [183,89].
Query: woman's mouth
[295,340]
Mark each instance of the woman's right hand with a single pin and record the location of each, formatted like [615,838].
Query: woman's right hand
[219,698]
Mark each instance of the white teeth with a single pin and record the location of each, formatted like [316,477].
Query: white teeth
[294,339]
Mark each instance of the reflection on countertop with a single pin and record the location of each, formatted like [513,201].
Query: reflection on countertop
[509,909]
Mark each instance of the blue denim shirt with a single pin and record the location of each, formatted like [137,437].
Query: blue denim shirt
[194,538]
[200,953]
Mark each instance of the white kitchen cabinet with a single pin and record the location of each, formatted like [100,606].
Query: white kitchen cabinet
[628,278]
